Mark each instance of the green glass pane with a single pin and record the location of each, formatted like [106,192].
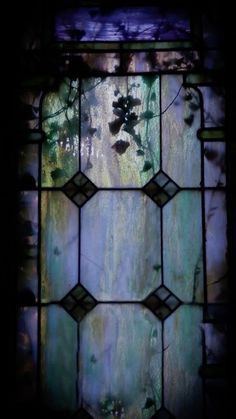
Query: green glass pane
[59,245]
[120,130]
[28,166]
[181,149]
[216,246]
[120,361]
[158,45]
[60,123]
[120,245]
[182,360]
[182,246]
[58,359]
[160,61]
[211,134]
[214,164]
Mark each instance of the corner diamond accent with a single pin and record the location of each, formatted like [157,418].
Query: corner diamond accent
[78,302]
[79,189]
[162,302]
[161,189]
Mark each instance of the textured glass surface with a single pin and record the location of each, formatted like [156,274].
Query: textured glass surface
[120,245]
[26,354]
[214,163]
[182,246]
[86,63]
[114,24]
[182,360]
[28,166]
[120,361]
[214,105]
[58,358]
[180,122]
[120,130]
[28,225]
[216,246]
[27,281]
[161,61]
[59,246]
[60,123]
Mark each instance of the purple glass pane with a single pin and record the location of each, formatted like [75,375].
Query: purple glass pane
[108,24]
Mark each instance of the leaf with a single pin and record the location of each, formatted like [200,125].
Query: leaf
[157,267]
[147,166]
[194,106]
[92,131]
[188,96]
[153,96]
[140,152]
[149,403]
[147,115]
[137,139]
[121,146]
[115,126]
[210,154]
[58,173]
[149,80]
[189,120]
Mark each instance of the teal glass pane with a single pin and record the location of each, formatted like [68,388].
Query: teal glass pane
[182,246]
[214,164]
[216,246]
[28,166]
[58,359]
[120,130]
[214,105]
[27,355]
[120,245]
[120,361]
[181,149]
[182,360]
[160,61]
[59,245]
[60,152]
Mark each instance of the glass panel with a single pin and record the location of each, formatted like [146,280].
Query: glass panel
[26,354]
[211,134]
[120,245]
[120,130]
[86,63]
[58,358]
[214,106]
[28,166]
[59,246]
[215,339]
[214,163]
[160,61]
[182,246]
[180,121]
[60,153]
[29,109]
[28,225]
[182,382]
[120,24]
[170,45]
[27,281]
[216,246]
[120,361]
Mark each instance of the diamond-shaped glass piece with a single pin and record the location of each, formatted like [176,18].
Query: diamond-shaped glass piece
[79,189]
[162,302]
[161,189]
[78,302]
[162,413]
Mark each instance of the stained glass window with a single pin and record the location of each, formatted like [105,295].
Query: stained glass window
[122,273]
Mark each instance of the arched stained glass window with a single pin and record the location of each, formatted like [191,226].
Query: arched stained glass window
[122,275]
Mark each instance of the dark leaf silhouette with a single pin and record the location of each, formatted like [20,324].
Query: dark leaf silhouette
[149,403]
[153,96]
[58,173]
[121,146]
[189,120]
[146,115]
[140,152]
[115,126]
[194,106]
[92,131]
[210,154]
[137,139]
[188,96]
[157,267]
[147,166]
